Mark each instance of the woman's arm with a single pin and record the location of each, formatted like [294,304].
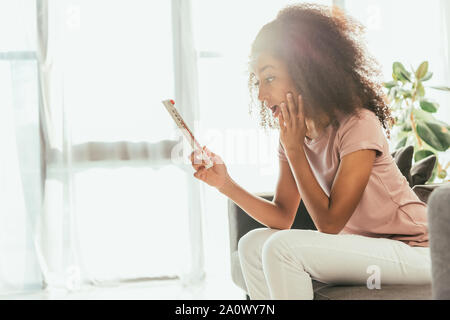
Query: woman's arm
[330,214]
[278,214]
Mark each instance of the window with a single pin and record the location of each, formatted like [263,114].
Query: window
[118,66]
[415,37]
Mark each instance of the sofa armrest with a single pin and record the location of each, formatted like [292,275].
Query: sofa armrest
[424,191]
[439,227]
[239,222]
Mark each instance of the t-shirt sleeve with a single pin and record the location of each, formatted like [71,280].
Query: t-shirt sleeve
[281,153]
[363,132]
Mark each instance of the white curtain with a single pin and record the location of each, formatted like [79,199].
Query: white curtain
[55,243]
[109,214]
[186,96]
[20,189]
[20,160]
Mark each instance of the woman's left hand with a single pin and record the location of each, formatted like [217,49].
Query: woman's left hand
[292,124]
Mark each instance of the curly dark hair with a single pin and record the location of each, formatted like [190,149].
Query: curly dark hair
[327,58]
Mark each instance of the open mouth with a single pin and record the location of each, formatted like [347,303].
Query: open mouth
[275,110]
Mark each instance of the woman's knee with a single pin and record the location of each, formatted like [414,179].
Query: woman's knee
[283,240]
[255,239]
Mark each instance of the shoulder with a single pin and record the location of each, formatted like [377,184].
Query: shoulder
[361,130]
[361,115]
[362,122]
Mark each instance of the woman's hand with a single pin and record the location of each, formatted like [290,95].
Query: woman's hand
[216,176]
[292,124]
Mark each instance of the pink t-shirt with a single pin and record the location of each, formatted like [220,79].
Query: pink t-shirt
[388,208]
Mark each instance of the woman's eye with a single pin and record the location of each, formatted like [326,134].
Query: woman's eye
[268,80]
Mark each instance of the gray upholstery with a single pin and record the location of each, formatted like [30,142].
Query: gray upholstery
[387,292]
[403,158]
[417,173]
[422,170]
[423,191]
[439,226]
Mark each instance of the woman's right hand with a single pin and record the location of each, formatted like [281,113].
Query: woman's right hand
[216,176]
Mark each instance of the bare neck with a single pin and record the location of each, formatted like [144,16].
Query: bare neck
[315,129]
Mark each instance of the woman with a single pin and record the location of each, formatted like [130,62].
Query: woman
[309,68]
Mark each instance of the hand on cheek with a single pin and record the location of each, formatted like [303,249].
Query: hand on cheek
[292,123]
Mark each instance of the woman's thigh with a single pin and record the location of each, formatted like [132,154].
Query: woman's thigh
[349,259]
[253,241]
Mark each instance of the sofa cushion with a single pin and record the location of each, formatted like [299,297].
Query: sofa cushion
[422,170]
[424,191]
[403,159]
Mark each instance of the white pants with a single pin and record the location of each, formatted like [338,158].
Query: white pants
[280,264]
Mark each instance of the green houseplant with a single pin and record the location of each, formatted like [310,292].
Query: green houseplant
[413,112]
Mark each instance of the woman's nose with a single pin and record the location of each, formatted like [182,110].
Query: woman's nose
[262,96]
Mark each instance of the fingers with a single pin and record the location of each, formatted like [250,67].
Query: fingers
[292,107]
[285,113]
[281,121]
[208,152]
[196,160]
[214,157]
[300,106]
[200,174]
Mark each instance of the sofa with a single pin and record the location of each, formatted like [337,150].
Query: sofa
[439,228]
[241,223]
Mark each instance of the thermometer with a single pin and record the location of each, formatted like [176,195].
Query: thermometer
[170,106]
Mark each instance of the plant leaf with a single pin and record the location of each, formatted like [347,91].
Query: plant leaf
[406,127]
[422,154]
[422,70]
[441,88]
[420,89]
[433,175]
[394,77]
[429,106]
[406,93]
[406,75]
[419,114]
[390,84]
[400,72]
[434,134]
[394,92]
[427,77]
[401,143]
[442,124]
